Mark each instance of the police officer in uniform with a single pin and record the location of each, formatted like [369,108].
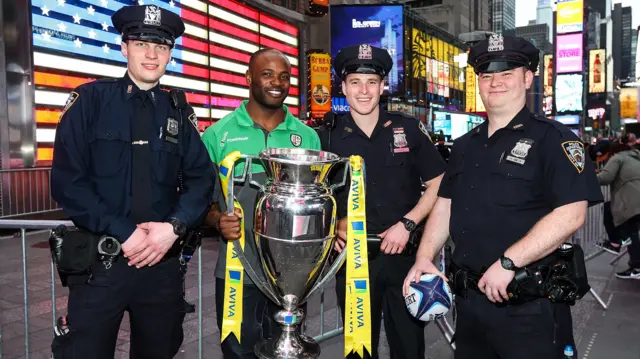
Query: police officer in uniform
[399,158]
[516,188]
[119,151]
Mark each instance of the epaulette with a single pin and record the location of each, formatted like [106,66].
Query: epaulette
[557,125]
[106,80]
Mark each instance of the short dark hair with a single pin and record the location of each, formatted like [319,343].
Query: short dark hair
[265,50]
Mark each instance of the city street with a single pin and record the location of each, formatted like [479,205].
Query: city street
[599,334]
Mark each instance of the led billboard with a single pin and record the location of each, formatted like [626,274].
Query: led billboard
[319,84]
[379,26]
[597,74]
[569,53]
[74,42]
[568,93]
[569,16]
[628,102]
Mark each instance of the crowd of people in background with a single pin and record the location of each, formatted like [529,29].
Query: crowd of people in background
[618,165]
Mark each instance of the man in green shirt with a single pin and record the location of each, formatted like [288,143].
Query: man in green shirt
[261,122]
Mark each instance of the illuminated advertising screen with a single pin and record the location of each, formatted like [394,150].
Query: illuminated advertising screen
[379,26]
[569,16]
[319,84]
[74,42]
[568,119]
[597,72]
[454,125]
[470,93]
[628,102]
[569,53]
[548,75]
[568,93]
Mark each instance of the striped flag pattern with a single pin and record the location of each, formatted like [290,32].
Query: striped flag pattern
[75,42]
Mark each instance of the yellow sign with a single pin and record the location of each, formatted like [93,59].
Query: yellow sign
[471,90]
[597,71]
[320,84]
[418,56]
[569,16]
[548,75]
[628,102]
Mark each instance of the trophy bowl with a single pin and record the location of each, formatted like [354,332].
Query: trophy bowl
[294,231]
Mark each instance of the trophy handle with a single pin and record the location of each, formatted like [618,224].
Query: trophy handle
[260,282]
[329,274]
[347,166]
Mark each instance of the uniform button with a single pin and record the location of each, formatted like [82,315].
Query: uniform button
[477,165]
[377,205]
[485,145]
[473,187]
[464,231]
[108,134]
[508,174]
[467,209]
[373,183]
[173,150]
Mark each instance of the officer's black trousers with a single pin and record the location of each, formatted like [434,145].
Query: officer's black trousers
[405,334]
[257,321]
[151,295]
[534,330]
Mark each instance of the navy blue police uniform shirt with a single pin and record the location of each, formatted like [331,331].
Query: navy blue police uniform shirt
[399,157]
[92,163]
[500,186]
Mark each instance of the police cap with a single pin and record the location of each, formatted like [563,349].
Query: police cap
[148,23]
[362,59]
[501,53]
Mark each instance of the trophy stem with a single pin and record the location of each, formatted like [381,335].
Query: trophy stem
[290,344]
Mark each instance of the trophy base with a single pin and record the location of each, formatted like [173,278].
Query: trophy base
[304,348]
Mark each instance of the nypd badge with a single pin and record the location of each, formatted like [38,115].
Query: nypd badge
[296,139]
[575,153]
[73,96]
[496,43]
[365,52]
[172,126]
[520,151]
[400,140]
[152,15]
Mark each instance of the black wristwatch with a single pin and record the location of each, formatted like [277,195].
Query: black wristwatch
[508,264]
[178,227]
[409,225]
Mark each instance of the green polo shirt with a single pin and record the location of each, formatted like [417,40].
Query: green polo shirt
[238,132]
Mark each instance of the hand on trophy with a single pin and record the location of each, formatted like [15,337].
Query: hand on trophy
[230,224]
[394,239]
[342,235]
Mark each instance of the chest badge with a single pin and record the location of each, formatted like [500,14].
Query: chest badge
[296,139]
[172,126]
[400,140]
[520,151]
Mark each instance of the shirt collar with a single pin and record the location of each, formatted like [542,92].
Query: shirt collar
[350,126]
[518,123]
[290,121]
[131,89]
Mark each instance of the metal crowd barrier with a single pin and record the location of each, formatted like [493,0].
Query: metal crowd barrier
[24,225]
[25,191]
[588,236]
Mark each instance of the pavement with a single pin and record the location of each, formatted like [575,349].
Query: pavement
[600,334]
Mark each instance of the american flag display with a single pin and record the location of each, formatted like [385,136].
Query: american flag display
[74,42]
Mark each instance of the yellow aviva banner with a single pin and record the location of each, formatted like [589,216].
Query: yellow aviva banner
[471,90]
[320,84]
[569,16]
[628,102]
[597,70]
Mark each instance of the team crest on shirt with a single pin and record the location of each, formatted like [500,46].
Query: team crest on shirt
[73,96]
[520,151]
[575,153]
[296,139]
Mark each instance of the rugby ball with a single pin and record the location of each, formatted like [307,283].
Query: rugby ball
[429,299]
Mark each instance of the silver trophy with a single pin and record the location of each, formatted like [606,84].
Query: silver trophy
[294,231]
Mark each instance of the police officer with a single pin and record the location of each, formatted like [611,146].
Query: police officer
[399,158]
[120,148]
[516,188]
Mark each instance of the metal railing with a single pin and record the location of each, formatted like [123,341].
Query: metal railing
[24,225]
[26,191]
[588,236]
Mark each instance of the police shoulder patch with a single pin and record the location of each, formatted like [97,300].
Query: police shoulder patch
[424,130]
[193,119]
[73,96]
[574,150]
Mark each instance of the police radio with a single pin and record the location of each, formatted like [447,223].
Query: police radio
[178,101]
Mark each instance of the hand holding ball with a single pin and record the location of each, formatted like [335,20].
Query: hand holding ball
[429,299]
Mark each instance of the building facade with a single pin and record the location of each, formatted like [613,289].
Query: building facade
[544,15]
[503,16]
[627,35]
[538,35]
[454,16]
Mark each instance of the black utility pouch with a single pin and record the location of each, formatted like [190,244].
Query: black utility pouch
[73,251]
